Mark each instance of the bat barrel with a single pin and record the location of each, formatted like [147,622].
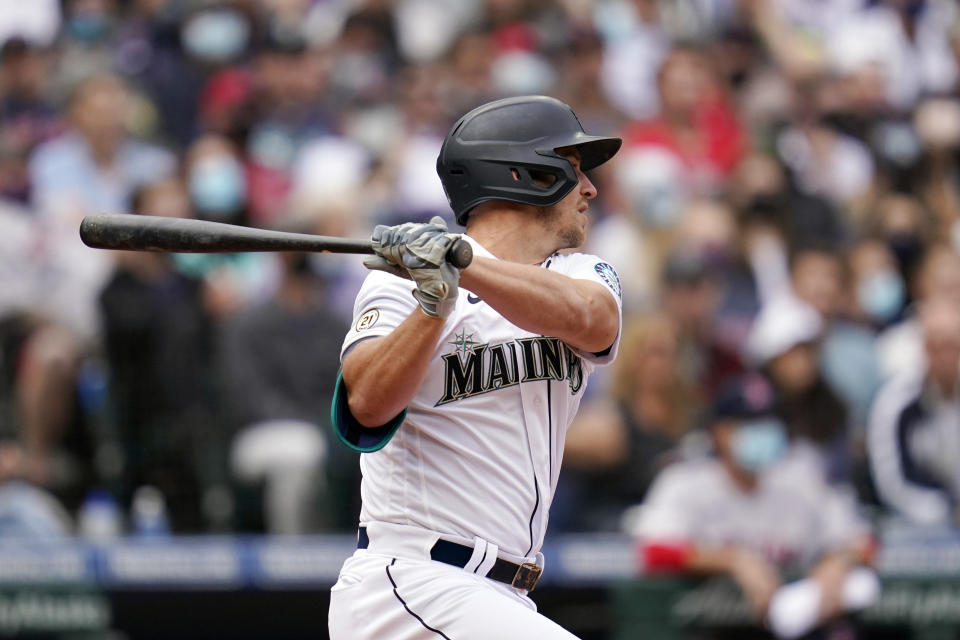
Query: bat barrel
[181,235]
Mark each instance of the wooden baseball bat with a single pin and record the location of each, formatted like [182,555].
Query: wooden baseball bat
[183,235]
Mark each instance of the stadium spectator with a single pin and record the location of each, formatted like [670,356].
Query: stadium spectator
[218,185]
[695,127]
[729,514]
[937,276]
[158,341]
[847,350]
[693,286]
[878,293]
[95,165]
[914,435]
[614,450]
[289,106]
[277,364]
[785,342]
[27,116]
[87,42]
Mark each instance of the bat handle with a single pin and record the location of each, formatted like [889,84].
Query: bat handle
[460,254]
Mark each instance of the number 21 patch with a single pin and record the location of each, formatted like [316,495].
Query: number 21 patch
[609,275]
[367,320]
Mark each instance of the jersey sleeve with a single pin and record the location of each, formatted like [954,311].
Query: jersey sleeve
[384,301]
[583,266]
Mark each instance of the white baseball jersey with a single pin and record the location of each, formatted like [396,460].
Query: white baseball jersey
[792,517]
[479,451]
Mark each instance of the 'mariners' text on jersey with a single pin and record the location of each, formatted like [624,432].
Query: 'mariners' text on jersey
[479,368]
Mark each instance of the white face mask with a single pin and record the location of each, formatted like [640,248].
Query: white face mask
[216,36]
[757,444]
[217,186]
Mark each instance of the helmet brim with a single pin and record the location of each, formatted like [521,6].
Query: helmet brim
[597,150]
[594,150]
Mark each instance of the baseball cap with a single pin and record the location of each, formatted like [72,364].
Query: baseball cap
[745,397]
[783,323]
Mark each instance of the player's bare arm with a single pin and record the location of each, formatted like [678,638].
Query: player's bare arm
[580,312]
[382,374]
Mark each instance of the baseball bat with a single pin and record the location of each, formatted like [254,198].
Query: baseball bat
[183,235]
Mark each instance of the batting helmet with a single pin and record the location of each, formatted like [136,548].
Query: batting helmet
[504,149]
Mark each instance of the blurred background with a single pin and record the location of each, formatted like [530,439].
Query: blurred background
[785,209]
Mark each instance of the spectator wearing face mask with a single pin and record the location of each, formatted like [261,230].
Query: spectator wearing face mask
[820,277]
[879,292]
[218,187]
[914,436]
[87,40]
[785,342]
[900,346]
[756,511]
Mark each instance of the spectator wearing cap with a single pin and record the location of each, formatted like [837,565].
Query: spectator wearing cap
[785,342]
[914,430]
[756,511]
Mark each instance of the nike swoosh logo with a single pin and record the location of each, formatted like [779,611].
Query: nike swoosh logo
[472,299]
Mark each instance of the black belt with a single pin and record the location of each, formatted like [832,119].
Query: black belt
[520,576]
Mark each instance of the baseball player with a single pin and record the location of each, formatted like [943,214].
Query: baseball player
[459,395]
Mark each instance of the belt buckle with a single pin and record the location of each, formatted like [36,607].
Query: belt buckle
[527,576]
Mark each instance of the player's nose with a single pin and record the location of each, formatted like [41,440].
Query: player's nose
[587,188]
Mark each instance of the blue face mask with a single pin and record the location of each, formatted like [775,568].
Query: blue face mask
[88,27]
[758,444]
[217,186]
[881,295]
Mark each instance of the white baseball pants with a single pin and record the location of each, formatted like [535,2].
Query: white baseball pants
[406,596]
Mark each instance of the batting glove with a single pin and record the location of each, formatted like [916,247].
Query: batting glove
[387,245]
[437,280]
[418,252]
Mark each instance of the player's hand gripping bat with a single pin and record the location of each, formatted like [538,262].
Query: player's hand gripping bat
[183,235]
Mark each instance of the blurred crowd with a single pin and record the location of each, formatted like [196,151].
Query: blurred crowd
[784,216]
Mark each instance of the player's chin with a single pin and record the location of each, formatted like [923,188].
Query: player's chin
[573,238]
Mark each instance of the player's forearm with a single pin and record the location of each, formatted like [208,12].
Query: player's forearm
[679,556]
[381,375]
[702,559]
[579,312]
